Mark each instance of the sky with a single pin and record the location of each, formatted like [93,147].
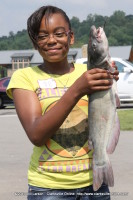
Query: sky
[14,13]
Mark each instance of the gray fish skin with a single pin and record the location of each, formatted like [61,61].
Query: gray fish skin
[104,127]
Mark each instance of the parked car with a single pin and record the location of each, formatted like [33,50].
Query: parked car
[4,99]
[125,83]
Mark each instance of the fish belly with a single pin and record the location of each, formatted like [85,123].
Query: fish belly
[103,121]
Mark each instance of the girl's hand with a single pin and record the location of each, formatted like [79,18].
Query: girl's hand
[94,80]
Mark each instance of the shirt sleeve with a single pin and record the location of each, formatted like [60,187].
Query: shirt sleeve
[21,80]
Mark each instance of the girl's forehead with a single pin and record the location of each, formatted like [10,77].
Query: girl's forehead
[53,21]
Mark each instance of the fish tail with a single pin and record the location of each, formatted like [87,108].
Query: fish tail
[102,174]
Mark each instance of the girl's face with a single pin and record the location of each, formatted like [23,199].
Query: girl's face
[54,38]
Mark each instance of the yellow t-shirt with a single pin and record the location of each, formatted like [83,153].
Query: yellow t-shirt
[65,162]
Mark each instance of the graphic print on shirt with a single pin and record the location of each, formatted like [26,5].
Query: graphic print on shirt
[71,136]
[70,141]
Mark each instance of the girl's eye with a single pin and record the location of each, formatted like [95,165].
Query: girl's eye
[43,37]
[59,34]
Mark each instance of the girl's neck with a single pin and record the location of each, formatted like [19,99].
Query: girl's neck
[57,68]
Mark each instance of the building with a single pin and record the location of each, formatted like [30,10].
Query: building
[15,59]
[125,52]
[131,55]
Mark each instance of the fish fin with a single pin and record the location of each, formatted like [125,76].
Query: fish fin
[90,144]
[117,99]
[110,68]
[102,174]
[113,140]
[118,103]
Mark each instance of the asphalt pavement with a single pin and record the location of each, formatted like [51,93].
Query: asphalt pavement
[15,151]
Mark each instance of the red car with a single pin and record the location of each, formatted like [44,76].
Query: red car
[4,99]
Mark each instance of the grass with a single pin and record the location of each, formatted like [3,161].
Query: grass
[126,119]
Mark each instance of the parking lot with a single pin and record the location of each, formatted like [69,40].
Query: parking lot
[15,151]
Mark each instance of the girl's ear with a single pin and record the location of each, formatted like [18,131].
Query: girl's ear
[71,38]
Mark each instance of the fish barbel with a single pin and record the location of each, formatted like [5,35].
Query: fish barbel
[104,127]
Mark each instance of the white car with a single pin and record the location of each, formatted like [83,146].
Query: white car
[125,83]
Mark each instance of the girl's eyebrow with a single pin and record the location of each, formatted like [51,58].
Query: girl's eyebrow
[56,29]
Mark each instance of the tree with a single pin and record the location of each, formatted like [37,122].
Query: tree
[118,18]
[11,34]
[118,28]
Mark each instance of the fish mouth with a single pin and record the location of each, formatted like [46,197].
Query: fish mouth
[97,32]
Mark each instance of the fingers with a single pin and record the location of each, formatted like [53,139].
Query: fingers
[98,79]
[96,85]
[99,88]
[97,70]
[116,77]
[104,74]
[106,82]
[94,80]
[97,74]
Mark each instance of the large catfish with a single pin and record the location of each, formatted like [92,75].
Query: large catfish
[104,127]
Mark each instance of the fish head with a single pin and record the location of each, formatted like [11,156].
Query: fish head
[98,48]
